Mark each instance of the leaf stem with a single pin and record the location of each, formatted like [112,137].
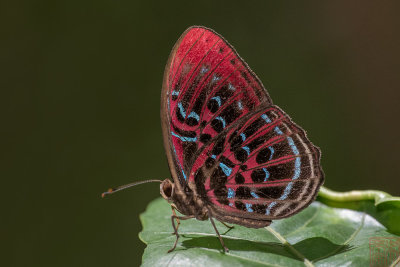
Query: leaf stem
[291,248]
[355,195]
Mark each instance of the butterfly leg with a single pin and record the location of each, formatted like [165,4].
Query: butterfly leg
[177,218]
[227,226]
[219,236]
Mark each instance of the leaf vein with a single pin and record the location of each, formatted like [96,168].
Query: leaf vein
[283,240]
[307,222]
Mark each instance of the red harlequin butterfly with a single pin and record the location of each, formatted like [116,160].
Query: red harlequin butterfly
[233,155]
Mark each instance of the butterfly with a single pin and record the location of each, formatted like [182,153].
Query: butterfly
[233,155]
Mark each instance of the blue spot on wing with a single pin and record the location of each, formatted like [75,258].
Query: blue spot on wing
[231,193]
[194,115]
[181,110]
[204,69]
[225,169]
[221,120]
[175,93]
[243,136]
[270,206]
[266,174]
[293,146]
[297,165]
[287,191]
[184,175]
[247,149]
[266,118]
[249,207]
[216,78]
[278,131]
[254,194]
[185,139]
[213,156]
[272,152]
[218,99]
[240,106]
[297,162]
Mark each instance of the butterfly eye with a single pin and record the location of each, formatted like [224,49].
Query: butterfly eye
[167,189]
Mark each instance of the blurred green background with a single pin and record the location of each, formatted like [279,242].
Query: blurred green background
[80,85]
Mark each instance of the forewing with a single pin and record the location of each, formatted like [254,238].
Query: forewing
[207,89]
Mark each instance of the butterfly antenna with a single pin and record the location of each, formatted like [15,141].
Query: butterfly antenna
[122,187]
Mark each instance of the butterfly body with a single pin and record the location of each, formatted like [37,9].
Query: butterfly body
[233,154]
[186,202]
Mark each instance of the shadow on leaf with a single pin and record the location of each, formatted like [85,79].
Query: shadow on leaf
[237,245]
[317,248]
[312,248]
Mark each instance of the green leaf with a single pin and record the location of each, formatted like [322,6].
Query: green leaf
[380,205]
[318,236]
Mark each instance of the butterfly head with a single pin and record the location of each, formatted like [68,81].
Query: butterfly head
[181,199]
[167,189]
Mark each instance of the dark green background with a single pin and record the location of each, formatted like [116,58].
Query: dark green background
[80,85]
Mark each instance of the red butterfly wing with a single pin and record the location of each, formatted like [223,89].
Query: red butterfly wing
[224,139]
[204,80]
